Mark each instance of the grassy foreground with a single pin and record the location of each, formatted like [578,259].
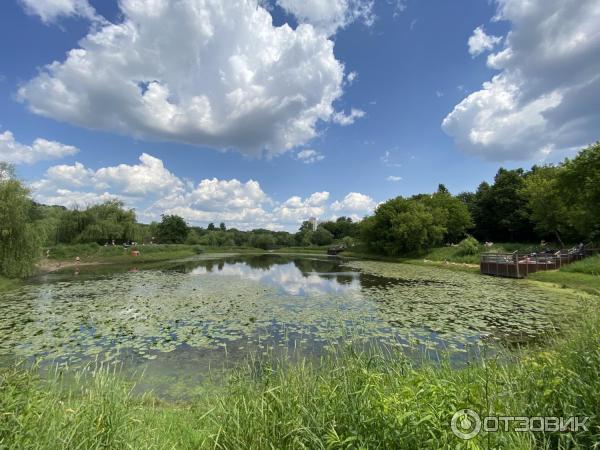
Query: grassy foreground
[349,400]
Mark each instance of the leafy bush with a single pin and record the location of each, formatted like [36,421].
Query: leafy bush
[322,237]
[468,246]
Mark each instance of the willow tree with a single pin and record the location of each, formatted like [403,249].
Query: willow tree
[20,241]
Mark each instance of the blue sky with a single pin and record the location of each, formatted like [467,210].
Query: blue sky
[403,67]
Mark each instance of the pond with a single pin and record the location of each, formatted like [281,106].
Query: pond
[185,318]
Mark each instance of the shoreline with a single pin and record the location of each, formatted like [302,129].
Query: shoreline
[580,282]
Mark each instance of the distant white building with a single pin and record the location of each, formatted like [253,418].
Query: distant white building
[314,222]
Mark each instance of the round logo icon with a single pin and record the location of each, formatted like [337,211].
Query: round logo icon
[466,424]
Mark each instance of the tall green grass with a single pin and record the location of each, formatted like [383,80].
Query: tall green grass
[351,399]
[583,275]
[590,266]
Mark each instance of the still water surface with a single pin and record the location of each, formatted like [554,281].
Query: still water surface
[183,319]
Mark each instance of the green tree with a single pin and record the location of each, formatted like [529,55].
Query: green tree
[262,240]
[99,223]
[579,184]
[450,212]
[172,230]
[193,238]
[303,238]
[222,226]
[401,226]
[20,237]
[306,226]
[501,211]
[341,227]
[211,227]
[210,240]
[322,236]
[549,211]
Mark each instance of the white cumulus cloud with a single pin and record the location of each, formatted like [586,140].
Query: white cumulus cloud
[239,204]
[220,75]
[152,190]
[354,205]
[546,96]
[480,42]
[150,177]
[50,10]
[14,152]
[295,209]
[330,15]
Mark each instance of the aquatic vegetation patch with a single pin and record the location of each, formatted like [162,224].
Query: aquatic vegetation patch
[454,304]
[268,305]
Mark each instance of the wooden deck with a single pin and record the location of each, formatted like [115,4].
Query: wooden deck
[520,265]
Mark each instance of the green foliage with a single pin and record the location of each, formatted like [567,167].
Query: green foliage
[500,211]
[93,252]
[579,183]
[449,211]
[99,223]
[70,251]
[193,237]
[401,226]
[322,236]
[552,215]
[370,399]
[20,234]
[342,227]
[590,266]
[469,246]
[264,241]
[560,202]
[172,230]
[304,238]
[7,285]
[349,242]
[306,226]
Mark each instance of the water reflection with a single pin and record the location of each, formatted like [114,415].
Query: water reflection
[185,316]
[294,277]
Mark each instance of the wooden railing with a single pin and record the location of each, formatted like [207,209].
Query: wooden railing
[519,265]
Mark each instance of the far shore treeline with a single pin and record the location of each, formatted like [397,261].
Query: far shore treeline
[558,203]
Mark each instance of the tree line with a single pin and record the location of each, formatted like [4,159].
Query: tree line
[559,203]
